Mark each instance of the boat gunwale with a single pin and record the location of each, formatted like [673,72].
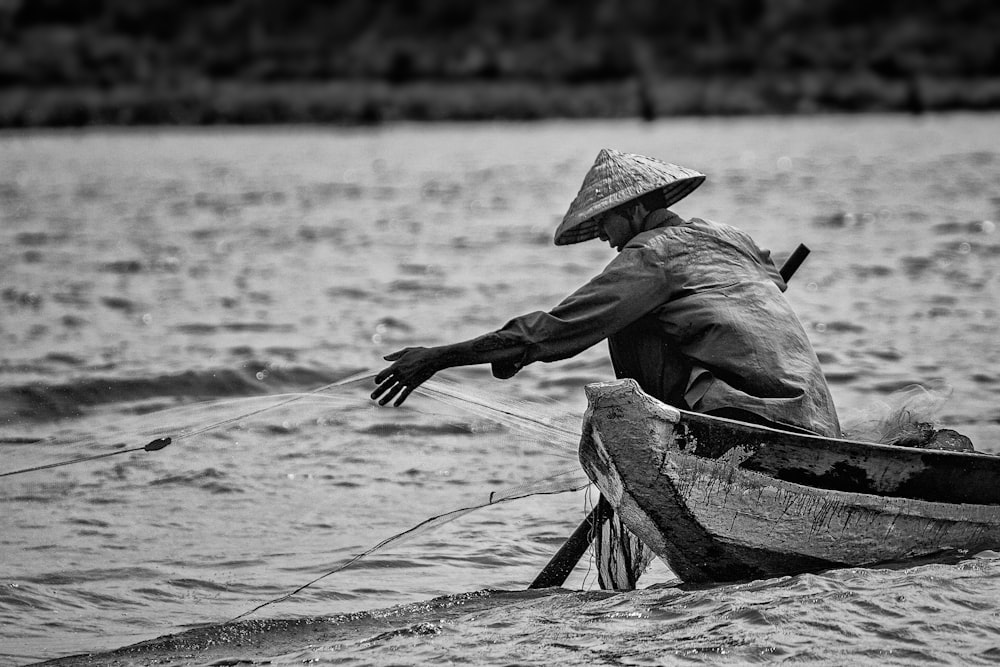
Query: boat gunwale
[691,415]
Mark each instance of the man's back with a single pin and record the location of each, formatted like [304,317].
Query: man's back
[722,334]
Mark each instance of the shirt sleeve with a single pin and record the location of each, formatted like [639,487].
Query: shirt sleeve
[632,285]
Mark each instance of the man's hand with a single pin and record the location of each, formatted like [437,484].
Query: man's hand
[411,368]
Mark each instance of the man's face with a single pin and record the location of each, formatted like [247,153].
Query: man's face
[614,228]
[619,225]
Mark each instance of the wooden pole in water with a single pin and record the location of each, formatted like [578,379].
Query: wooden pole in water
[564,560]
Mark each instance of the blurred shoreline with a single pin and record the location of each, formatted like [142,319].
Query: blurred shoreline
[371,102]
[184,62]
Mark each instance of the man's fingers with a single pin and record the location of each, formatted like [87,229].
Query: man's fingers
[402,397]
[391,381]
[390,394]
[382,387]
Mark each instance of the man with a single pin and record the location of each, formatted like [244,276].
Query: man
[692,310]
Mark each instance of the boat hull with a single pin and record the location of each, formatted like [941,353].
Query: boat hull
[712,519]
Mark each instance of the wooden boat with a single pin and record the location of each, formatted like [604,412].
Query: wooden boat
[722,500]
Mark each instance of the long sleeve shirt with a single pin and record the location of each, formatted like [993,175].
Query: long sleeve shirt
[694,312]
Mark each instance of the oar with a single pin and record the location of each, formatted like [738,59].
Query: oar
[555,573]
[793,262]
[564,560]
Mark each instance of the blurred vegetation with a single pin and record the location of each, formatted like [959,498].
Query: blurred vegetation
[78,62]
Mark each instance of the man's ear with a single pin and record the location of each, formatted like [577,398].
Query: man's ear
[638,212]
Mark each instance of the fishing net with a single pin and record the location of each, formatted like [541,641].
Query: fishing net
[548,426]
[560,483]
[897,417]
[907,417]
[544,424]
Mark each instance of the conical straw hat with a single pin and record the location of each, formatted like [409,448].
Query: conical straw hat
[617,178]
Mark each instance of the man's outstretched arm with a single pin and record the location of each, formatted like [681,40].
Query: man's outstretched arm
[412,366]
[628,288]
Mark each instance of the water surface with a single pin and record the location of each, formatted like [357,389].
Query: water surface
[147,270]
